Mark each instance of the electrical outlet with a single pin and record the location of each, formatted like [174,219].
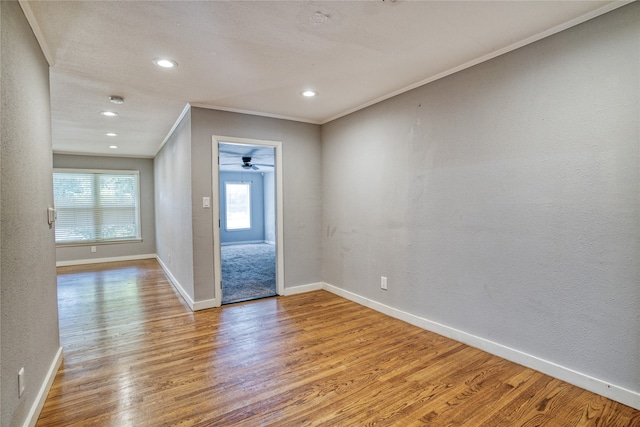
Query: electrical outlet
[383,283]
[93,248]
[20,382]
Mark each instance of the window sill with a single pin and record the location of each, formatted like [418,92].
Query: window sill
[100,243]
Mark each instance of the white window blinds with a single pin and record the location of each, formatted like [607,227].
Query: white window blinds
[96,206]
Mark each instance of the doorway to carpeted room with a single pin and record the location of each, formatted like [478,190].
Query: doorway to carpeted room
[250,223]
[248,272]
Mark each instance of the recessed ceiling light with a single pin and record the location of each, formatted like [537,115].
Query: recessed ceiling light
[111,134]
[165,63]
[113,146]
[309,93]
[116,99]
[109,113]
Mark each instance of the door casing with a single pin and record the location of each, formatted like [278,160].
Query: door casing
[215,181]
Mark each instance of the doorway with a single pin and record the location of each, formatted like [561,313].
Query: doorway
[248,237]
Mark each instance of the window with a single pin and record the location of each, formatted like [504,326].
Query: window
[96,206]
[238,204]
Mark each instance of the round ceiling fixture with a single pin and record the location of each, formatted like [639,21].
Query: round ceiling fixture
[113,146]
[109,113]
[309,93]
[118,100]
[165,63]
[111,134]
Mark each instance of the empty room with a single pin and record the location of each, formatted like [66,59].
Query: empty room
[339,213]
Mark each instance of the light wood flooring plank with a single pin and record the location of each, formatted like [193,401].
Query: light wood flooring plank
[135,355]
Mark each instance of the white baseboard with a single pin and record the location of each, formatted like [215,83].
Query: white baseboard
[194,305]
[245,242]
[36,408]
[205,304]
[101,260]
[303,288]
[176,285]
[579,379]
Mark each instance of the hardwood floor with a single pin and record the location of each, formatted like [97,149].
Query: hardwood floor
[135,355]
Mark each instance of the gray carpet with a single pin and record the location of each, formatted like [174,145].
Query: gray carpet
[248,272]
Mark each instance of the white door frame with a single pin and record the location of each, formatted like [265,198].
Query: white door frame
[215,180]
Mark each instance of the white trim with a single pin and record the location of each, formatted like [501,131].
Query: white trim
[184,112]
[217,221]
[36,408]
[98,206]
[37,31]
[247,242]
[97,243]
[101,260]
[529,40]
[579,379]
[205,304]
[279,220]
[566,25]
[176,284]
[78,153]
[293,290]
[193,305]
[215,190]
[98,171]
[255,113]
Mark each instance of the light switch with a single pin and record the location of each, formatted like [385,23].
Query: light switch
[206,202]
[51,215]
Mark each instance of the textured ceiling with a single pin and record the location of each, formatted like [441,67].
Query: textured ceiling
[258,56]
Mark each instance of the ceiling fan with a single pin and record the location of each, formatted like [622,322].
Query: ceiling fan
[246,164]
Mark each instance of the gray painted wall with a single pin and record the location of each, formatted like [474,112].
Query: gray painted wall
[29,326]
[256,233]
[174,236]
[301,152]
[147,216]
[503,200]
